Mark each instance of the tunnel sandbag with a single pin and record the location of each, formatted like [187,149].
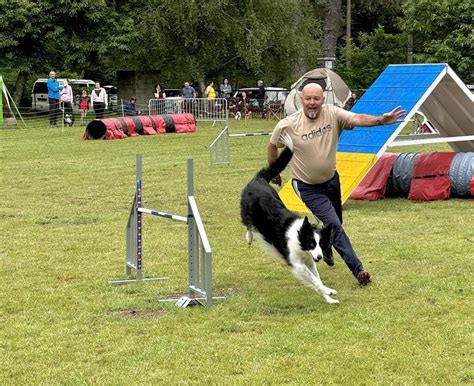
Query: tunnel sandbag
[147,125]
[461,175]
[138,124]
[159,123]
[374,184]
[169,123]
[184,123]
[115,127]
[430,180]
[128,126]
[400,175]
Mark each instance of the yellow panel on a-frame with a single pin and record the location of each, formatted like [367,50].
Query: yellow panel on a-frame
[352,168]
[291,200]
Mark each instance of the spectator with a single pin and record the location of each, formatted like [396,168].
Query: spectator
[99,101]
[159,93]
[225,89]
[66,100]
[130,109]
[189,93]
[53,97]
[260,96]
[210,92]
[84,105]
[350,102]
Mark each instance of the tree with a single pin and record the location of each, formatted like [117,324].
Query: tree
[332,28]
[200,40]
[442,32]
[39,36]
[369,57]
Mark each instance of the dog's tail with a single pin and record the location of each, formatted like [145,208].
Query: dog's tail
[281,162]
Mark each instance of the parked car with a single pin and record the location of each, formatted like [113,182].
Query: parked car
[112,93]
[39,93]
[172,92]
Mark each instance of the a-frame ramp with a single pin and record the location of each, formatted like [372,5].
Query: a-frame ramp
[433,89]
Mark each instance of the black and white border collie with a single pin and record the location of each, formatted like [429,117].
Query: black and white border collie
[282,233]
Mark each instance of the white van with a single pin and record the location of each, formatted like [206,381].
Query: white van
[39,93]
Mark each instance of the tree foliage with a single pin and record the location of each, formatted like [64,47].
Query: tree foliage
[275,40]
[373,52]
[442,32]
[199,40]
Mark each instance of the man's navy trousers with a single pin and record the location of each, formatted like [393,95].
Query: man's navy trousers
[324,201]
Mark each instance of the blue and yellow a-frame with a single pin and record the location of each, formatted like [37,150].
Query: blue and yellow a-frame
[433,89]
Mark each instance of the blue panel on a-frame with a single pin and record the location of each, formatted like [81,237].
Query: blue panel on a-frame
[402,85]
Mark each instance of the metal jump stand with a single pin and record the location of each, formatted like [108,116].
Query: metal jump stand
[199,249]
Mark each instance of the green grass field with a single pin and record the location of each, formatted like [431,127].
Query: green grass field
[64,206]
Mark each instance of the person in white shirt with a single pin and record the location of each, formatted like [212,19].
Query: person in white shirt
[66,99]
[99,101]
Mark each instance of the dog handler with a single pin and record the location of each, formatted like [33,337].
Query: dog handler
[315,130]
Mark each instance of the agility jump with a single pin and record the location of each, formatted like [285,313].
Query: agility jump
[219,149]
[199,249]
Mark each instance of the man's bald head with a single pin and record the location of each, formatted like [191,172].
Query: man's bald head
[312,98]
[312,88]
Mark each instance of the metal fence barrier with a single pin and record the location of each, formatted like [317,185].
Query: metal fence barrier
[219,150]
[199,249]
[203,109]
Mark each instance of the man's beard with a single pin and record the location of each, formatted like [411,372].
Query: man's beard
[312,113]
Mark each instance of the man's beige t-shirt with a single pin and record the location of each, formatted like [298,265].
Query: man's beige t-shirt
[315,142]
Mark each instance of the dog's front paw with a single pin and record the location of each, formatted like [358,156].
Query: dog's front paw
[330,300]
[326,290]
[329,291]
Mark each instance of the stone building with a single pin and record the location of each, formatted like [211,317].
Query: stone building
[139,84]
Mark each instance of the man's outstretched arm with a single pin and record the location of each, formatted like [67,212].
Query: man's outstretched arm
[372,120]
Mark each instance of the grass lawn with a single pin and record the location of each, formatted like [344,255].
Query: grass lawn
[63,209]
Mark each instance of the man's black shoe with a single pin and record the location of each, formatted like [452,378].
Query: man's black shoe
[364,278]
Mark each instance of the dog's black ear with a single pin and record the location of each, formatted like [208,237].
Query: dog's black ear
[306,226]
[326,232]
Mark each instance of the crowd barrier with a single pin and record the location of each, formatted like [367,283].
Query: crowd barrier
[203,109]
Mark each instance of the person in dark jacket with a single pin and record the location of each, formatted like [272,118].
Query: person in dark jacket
[130,109]
[260,96]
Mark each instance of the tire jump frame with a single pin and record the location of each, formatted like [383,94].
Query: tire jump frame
[199,249]
[219,149]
